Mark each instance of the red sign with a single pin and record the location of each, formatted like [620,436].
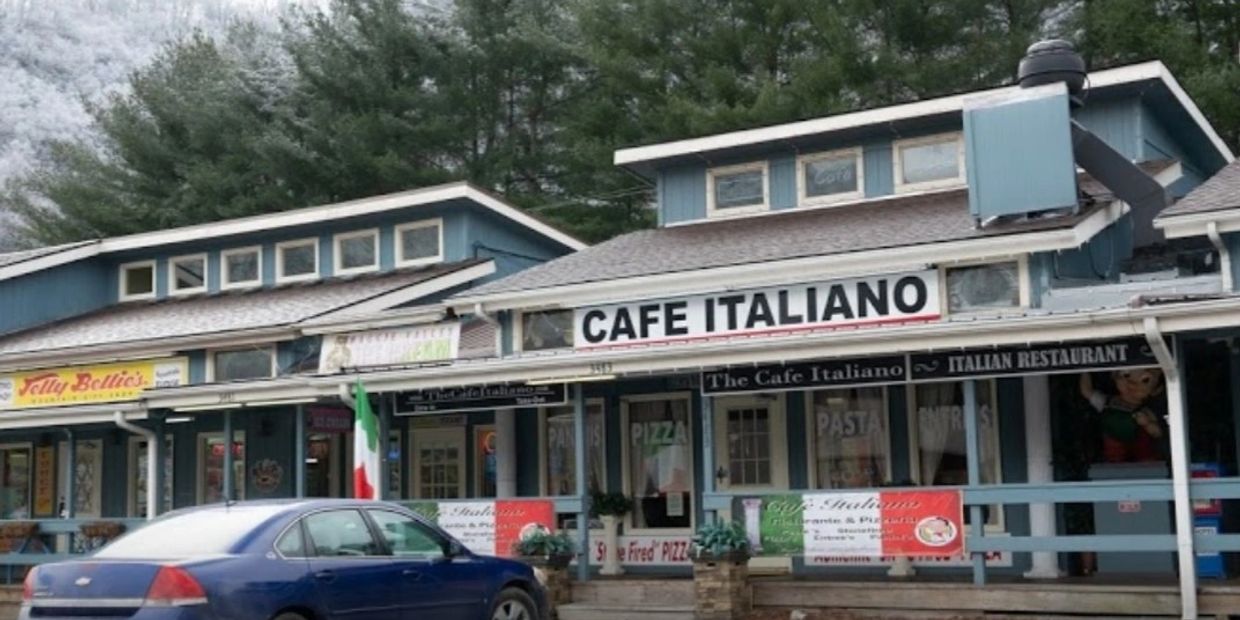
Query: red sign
[515,519]
[922,523]
[329,420]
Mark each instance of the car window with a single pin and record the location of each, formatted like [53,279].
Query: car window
[406,537]
[339,533]
[291,543]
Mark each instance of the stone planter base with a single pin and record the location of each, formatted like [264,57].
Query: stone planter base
[555,572]
[722,588]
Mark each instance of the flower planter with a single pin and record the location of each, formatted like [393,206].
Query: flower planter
[554,575]
[13,535]
[106,530]
[721,582]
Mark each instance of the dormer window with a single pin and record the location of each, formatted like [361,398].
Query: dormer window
[297,261]
[830,177]
[933,162]
[187,275]
[357,252]
[137,280]
[736,190]
[243,267]
[419,243]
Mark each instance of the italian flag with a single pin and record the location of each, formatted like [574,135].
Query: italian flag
[366,461]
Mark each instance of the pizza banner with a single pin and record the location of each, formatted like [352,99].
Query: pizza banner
[490,527]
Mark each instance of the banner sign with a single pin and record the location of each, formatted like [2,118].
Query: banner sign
[872,300]
[875,524]
[644,550]
[103,383]
[821,374]
[482,397]
[490,528]
[1033,359]
[390,347]
[994,559]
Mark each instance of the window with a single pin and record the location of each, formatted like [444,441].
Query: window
[981,288]
[938,421]
[547,329]
[750,442]
[439,462]
[357,252]
[851,442]
[257,363]
[659,461]
[337,533]
[138,455]
[561,442]
[406,537]
[419,243]
[830,177]
[138,280]
[929,163]
[292,544]
[211,447]
[87,475]
[15,466]
[736,189]
[297,260]
[242,267]
[187,274]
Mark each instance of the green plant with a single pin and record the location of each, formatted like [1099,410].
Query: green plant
[610,504]
[720,538]
[544,544]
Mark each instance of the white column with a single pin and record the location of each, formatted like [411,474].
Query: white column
[505,452]
[1039,457]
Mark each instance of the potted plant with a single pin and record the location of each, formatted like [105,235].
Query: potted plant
[550,555]
[610,508]
[720,553]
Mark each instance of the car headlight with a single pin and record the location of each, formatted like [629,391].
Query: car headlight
[541,576]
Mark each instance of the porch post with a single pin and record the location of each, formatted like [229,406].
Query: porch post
[228,456]
[1038,454]
[973,458]
[708,450]
[299,452]
[579,457]
[505,452]
[385,472]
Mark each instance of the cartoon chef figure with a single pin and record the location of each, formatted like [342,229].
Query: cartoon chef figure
[1130,429]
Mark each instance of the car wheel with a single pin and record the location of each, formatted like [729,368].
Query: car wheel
[513,604]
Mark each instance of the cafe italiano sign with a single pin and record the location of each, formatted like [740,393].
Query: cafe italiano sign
[856,302]
[103,383]
[480,398]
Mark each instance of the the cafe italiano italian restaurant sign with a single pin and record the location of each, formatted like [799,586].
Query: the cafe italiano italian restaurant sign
[390,347]
[490,527]
[855,302]
[103,383]
[480,398]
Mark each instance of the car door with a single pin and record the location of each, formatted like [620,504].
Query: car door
[437,586]
[355,576]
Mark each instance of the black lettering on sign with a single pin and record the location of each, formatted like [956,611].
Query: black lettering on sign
[675,318]
[623,325]
[759,310]
[905,286]
[591,333]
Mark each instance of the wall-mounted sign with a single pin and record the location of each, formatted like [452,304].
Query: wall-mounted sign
[1033,359]
[824,373]
[388,347]
[653,550]
[45,481]
[477,398]
[491,527]
[334,420]
[872,300]
[103,383]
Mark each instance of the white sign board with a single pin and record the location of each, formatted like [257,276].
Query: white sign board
[390,347]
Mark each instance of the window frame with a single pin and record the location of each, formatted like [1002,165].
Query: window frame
[311,552]
[200,471]
[805,200]
[269,347]
[338,255]
[544,478]
[123,270]
[226,284]
[399,253]
[811,433]
[777,408]
[304,277]
[64,469]
[454,433]
[897,163]
[132,496]
[172,275]
[518,329]
[377,532]
[713,211]
[1022,274]
[626,481]
[29,447]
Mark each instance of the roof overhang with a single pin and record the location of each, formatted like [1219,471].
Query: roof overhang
[46,417]
[1198,224]
[48,261]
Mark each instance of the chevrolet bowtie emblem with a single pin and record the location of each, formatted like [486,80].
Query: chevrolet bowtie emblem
[82,581]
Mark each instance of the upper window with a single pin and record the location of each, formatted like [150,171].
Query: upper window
[187,274]
[736,189]
[357,252]
[255,363]
[929,163]
[830,177]
[297,260]
[138,280]
[419,243]
[243,267]
[548,329]
[982,288]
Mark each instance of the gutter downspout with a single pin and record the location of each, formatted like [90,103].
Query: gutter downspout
[1224,257]
[152,462]
[481,313]
[346,397]
[1179,468]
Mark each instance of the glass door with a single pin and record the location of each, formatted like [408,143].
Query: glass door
[15,482]
[439,463]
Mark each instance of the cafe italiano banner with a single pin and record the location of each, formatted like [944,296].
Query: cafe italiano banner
[910,524]
[103,383]
[490,528]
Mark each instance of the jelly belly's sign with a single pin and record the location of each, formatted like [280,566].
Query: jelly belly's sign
[856,302]
[490,528]
[77,385]
[480,398]
[875,524]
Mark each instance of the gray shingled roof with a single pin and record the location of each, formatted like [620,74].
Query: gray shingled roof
[1221,191]
[21,256]
[216,314]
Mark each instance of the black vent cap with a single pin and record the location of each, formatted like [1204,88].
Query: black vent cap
[1054,60]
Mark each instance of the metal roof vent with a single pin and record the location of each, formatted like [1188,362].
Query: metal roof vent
[1054,60]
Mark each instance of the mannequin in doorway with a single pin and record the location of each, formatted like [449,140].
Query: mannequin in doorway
[1130,429]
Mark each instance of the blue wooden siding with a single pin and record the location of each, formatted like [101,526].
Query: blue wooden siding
[682,194]
[1117,122]
[55,294]
[513,248]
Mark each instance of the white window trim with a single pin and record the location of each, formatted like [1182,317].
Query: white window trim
[401,261]
[811,434]
[897,165]
[131,502]
[142,264]
[304,277]
[270,348]
[712,212]
[201,469]
[455,433]
[544,446]
[1022,273]
[803,199]
[777,406]
[338,256]
[172,275]
[627,483]
[225,284]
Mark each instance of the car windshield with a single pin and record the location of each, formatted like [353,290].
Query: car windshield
[193,534]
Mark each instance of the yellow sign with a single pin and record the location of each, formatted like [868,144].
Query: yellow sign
[103,383]
[44,481]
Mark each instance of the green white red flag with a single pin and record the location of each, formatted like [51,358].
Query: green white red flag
[366,458]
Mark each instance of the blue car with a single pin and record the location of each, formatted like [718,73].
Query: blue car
[287,560]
